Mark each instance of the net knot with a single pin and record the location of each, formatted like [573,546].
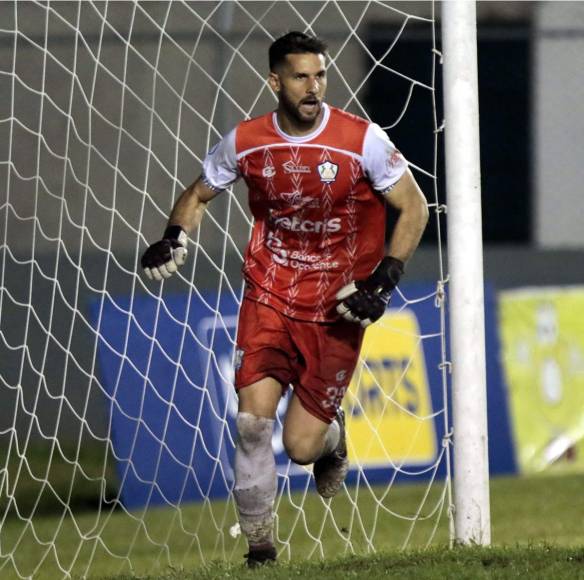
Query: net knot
[447,438]
[446,365]
[440,292]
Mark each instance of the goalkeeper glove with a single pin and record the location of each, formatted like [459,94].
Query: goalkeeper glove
[365,301]
[163,258]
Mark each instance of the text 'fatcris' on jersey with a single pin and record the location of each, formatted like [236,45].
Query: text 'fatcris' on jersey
[295,224]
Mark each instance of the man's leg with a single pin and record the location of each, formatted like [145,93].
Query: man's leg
[255,467]
[308,439]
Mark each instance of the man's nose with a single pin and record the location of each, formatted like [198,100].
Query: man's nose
[313,87]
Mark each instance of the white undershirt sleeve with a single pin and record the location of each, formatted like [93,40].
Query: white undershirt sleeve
[383,163]
[220,165]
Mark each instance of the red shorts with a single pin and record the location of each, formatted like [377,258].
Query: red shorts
[316,358]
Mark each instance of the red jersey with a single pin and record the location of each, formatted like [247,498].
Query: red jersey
[317,204]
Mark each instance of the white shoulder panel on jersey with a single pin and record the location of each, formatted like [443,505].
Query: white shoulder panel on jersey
[220,164]
[382,162]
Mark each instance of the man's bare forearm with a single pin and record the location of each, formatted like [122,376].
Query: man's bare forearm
[411,204]
[190,206]
[408,232]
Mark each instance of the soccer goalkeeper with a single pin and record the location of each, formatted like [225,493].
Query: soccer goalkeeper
[316,269]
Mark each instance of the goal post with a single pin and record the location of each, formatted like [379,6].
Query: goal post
[465,261]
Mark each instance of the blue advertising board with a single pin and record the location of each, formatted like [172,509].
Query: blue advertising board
[166,367]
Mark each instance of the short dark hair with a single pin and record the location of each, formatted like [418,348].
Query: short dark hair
[294,43]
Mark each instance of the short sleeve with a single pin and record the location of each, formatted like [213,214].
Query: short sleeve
[383,163]
[220,165]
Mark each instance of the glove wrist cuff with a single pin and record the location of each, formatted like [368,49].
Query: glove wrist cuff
[175,233]
[392,269]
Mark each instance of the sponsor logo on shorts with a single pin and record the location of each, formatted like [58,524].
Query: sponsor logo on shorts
[341,376]
[291,167]
[328,171]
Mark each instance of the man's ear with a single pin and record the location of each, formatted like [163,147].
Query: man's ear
[274,82]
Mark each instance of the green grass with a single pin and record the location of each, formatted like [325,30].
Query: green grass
[461,563]
[537,524]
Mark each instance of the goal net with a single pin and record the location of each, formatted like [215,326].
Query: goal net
[116,400]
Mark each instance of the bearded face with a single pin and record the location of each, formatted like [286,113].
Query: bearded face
[301,86]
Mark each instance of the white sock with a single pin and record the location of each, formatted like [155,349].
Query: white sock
[255,478]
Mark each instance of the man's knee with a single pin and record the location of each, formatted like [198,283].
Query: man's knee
[253,431]
[301,450]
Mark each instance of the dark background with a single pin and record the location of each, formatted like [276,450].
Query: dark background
[504,86]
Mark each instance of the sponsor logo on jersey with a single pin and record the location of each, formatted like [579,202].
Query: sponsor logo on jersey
[295,224]
[297,200]
[297,259]
[328,171]
[394,159]
[290,167]
[269,171]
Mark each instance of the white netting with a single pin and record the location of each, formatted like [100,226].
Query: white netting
[116,413]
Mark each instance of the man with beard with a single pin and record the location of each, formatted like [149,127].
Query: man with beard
[316,270]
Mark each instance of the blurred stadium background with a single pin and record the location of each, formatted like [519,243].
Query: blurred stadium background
[531,95]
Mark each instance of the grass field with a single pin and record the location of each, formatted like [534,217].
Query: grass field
[537,524]
[461,564]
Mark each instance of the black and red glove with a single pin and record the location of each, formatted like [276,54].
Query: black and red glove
[365,301]
[163,258]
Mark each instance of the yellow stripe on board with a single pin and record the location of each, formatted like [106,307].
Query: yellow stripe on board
[389,402]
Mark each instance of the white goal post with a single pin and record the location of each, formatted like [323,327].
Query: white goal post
[465,260]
